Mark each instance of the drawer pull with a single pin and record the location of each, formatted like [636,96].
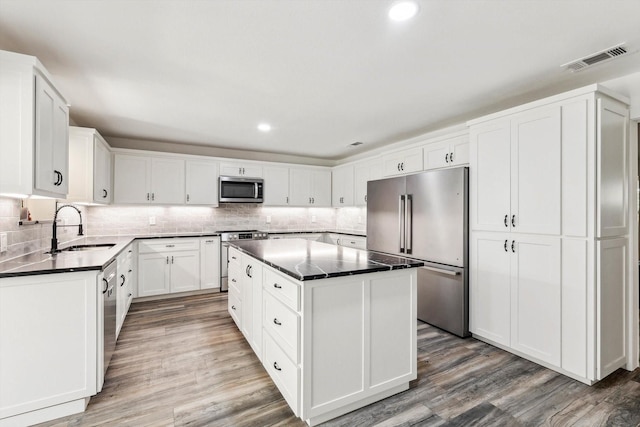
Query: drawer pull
[275,285]
[276,367]
[208,241]
[170,246]
[233,307]
[276,321]
[233,280]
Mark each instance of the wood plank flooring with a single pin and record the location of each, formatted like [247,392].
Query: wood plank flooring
[182,362]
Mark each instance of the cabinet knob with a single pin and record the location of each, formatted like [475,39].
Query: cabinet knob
[276,321]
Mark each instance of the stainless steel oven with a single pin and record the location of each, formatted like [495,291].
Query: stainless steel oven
[230,236]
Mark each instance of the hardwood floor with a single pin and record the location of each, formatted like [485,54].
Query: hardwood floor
[182,362]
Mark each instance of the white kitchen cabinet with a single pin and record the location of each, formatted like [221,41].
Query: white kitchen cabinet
[364,172]
[168,266]
[124,284]
[310,187]
[210,262]
[276,186]
[142,180]
[402,162]
[515,184]
[234,302]
[89,167]
[201,182]
[34,119]
[48,345]
[251,272]
[350,241]
[450,151]
[248,169]
[342,186]
[551,179]
[314,237]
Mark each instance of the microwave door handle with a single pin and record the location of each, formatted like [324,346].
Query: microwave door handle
[255,190]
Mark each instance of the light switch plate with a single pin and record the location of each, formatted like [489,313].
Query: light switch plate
[268,219]
[152,220]
[313,218]
[3,242]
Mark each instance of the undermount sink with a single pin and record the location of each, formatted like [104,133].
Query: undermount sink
[94,247]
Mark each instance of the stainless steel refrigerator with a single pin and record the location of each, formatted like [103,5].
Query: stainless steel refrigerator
[425,216]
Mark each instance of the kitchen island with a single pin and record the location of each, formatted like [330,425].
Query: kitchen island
[335,327]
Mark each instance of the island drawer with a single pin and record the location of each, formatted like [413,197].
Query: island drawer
[283,371]
[283,325]
[234,257]
[282,288]
[165,245]
[235,278]
[235,308]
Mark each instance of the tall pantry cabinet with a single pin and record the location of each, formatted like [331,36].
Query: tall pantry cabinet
[549,243]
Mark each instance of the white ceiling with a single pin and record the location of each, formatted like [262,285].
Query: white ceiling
[324,73]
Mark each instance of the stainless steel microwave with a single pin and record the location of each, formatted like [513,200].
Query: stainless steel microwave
[234,189]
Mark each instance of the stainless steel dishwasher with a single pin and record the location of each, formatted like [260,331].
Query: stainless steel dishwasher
[109,303]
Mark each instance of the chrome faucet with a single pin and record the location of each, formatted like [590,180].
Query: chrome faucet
[54,237]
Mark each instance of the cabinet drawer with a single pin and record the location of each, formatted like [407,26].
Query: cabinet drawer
[235,278]
[235,257]
[283,325]
[164,245]
[283,371]
[282,288]
[235,308]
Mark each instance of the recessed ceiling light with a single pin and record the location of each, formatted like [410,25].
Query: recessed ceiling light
[264,127]
[403,10]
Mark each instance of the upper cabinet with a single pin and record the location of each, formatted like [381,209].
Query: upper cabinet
[364,172]
[89,167]
[247,169]
[142,179]
[276,186]
[34,130]
[201,182]
[310,187]
[402,162]
[342,186]
[450,151]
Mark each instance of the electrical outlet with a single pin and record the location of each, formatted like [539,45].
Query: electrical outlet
[268,219]
[313,218]
[3,242]
[152,220]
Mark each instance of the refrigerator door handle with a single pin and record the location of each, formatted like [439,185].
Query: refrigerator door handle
[401,224]
[442,270]
[409,223]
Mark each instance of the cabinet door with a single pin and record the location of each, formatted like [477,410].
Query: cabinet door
[300,187]
[121,297]
[535,172]
[403,162]
[167,181]
[185,271]
[436,155]
[248,303]
[81,165]
[131,179]
[342,186]
[201,183]
[276,186]
[490,188]
[321,188]
[536,296]
[489,292]
[241,169]
[459,151]
[101,172]
[210,263]
[153,274]
[361,175]
[52,140]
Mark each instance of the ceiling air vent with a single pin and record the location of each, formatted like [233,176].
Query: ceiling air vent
[596,58]
[355,144]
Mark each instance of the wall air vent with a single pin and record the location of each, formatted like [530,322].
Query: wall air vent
[596,58]
[355,144]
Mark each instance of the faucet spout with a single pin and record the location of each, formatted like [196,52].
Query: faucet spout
[54,234]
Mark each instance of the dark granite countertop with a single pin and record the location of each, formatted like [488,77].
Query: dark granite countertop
[345,232]
[64,262]
[306,260]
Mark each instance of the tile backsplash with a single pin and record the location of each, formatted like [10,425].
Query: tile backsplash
[135,220]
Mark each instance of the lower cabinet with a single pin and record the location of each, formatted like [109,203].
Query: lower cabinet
[125,288]
[331,345]
[48,345]
[168,266]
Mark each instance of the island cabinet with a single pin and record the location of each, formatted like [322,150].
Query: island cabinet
[549,242]
[48,345]
[125,285]
[332,344]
